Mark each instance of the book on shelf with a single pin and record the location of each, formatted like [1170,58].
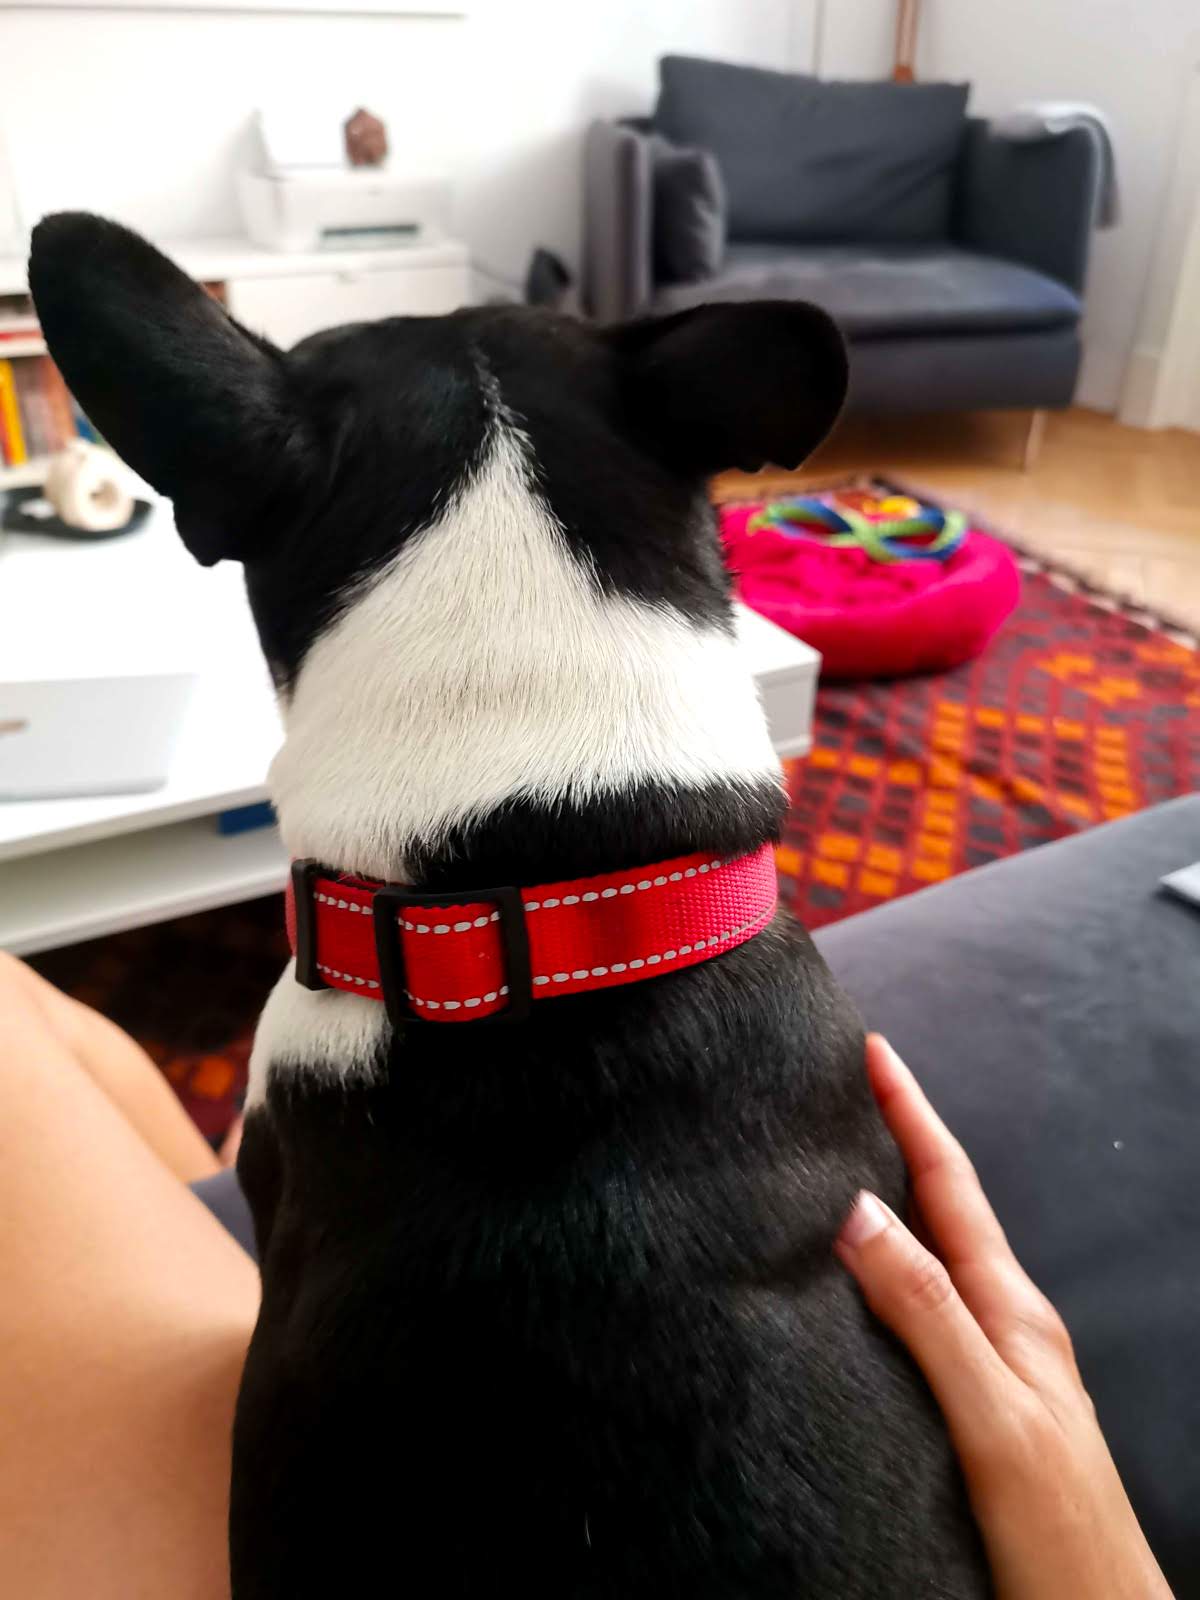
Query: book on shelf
[62,407]
[38,414]
[18,319]
[12,435]
[35,410]
[83,423]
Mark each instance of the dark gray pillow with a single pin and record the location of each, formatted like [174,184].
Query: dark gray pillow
[689,213]
[805,160]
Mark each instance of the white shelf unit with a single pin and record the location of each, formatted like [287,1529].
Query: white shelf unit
[60,896]
[33,346]
[26,475]
[77,867]
[219,260]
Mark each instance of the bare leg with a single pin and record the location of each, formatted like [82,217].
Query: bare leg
[124,1320]
[121,1068]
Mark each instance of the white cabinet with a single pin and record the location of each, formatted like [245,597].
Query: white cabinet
[287,309]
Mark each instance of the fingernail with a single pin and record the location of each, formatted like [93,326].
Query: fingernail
[887,1050]
[887,1068]
[866,1219]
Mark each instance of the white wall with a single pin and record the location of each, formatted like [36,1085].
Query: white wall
[540,70]
[1133,58]
[143,114]
[1162,380]
[9,221]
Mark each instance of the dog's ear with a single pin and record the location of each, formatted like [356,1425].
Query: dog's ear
[201,408]
[737,385]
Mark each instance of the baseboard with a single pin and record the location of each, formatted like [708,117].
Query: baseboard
[1140,391]
[1153,396]
[1099,387]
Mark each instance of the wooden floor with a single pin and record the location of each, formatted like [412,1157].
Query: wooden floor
[1120,505]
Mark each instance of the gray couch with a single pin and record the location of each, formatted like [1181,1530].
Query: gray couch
[985,315]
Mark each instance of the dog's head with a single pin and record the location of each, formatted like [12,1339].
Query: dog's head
[316,466]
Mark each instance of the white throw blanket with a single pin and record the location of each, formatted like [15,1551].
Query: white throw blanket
[1047,119]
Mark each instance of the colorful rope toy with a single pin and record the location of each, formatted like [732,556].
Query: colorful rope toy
[893,529]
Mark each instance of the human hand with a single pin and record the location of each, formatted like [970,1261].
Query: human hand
[1053,1514]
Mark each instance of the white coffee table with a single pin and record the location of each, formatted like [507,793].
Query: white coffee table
[73,869]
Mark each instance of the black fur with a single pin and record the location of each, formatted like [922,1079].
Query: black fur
[549,1309]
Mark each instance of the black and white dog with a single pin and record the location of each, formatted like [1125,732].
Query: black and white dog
[548,1309]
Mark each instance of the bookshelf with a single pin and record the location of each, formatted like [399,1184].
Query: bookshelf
[27,476]
[30,346]
[37,415]
[284,296]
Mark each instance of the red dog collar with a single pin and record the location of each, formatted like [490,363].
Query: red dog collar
[488,953]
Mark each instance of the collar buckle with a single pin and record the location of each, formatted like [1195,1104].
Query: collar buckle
[304,874]
[389,947]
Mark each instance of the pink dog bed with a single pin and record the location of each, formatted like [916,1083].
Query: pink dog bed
[868,618]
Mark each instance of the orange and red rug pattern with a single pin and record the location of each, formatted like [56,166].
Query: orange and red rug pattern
[1079,711]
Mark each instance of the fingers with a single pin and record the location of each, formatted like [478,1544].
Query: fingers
[963,1229]
[910,1291]
[1054,1518]
[955,1210]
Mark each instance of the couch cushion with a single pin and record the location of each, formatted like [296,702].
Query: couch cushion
[889,292]
[803,159]
[1049,1004]
[689,213]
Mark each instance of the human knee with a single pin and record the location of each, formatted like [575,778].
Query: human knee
[17,981]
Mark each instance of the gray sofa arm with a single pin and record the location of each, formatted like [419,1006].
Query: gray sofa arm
[618,222]
[1032,202]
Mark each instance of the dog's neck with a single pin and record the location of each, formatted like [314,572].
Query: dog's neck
[485,668]
[483,710]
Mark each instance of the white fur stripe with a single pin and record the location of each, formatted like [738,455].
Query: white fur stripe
[329,1034]
[486,663]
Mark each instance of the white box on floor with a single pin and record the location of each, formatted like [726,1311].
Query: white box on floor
[786,670]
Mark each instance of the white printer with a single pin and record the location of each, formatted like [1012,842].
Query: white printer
[299,192]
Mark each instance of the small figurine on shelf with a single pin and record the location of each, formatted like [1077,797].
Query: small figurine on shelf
[366,139]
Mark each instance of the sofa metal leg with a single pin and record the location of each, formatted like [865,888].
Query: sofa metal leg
[1034,434]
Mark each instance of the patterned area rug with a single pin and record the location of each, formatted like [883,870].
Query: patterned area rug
[1082,709]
